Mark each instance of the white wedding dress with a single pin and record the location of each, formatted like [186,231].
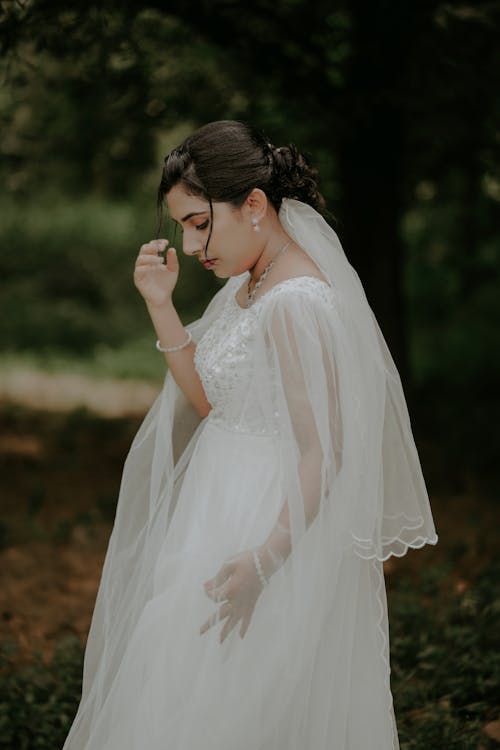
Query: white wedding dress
[312,671]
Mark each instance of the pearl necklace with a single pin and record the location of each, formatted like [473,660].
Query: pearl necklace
[251,295]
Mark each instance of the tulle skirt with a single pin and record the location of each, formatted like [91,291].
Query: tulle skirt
[313,677]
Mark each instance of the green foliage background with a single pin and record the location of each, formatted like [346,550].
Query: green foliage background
[398,105]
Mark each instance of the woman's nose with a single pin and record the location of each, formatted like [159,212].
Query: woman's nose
[191,246]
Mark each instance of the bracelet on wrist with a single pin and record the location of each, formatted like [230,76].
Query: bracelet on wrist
[175,348]
[258,567]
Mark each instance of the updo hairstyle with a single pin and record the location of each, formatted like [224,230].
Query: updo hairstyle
[225,160]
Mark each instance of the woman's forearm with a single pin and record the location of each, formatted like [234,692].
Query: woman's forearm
[171,332]
[275,550]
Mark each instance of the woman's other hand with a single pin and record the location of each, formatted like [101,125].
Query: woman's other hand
[237,587]
[154,278]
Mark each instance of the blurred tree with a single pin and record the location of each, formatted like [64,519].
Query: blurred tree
[87,92]
[389,97]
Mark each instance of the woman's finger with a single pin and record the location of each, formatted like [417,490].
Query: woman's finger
[144,270]
[230,625]
[245,623]
[219,593]
[171,259]
[218,615]
[149,260]
[151,248]
[222,574]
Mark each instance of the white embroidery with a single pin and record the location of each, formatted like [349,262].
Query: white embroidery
[224,358]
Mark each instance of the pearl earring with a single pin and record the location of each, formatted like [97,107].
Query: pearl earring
[255,223]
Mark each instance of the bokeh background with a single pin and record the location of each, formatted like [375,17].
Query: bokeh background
[398,105]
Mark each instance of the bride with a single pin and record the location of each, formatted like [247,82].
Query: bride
[242,602]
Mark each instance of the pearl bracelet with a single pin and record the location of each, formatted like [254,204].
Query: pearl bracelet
[258,566]
[175,348]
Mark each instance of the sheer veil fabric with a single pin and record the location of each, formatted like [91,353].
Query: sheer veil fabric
[308,413]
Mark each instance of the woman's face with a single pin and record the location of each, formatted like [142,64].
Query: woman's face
[233,247]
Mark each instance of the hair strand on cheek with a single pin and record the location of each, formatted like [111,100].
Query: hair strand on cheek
[211,226]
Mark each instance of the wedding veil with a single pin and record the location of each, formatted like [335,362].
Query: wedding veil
[398,514]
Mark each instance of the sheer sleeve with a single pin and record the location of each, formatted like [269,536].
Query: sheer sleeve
[300,344]
[349,464]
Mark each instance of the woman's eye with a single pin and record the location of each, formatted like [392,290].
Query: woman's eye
[202,226]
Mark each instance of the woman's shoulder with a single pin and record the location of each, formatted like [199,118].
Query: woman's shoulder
[298,265]
[290,290]
[302,286]
[299,276]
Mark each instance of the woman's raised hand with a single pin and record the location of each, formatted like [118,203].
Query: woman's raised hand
[238,587]
[155,279]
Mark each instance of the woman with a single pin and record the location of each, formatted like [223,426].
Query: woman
[242,602]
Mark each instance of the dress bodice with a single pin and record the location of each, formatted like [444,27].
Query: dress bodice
[225,363]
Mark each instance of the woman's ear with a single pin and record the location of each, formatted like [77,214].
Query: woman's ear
[256,205]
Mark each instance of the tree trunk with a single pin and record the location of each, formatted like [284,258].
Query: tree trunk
[371,151]
[370,216]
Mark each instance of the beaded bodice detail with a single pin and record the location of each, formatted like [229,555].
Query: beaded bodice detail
[224,359]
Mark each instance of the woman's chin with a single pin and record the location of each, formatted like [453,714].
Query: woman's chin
[225,273]
[220,272]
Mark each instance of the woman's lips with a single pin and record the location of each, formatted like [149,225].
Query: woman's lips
[208,263]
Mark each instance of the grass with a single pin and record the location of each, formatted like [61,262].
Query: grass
[445,664]
[38,700]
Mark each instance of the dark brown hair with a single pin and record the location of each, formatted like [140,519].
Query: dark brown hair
[225,160]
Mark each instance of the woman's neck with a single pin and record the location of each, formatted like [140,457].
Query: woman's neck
[271,251]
